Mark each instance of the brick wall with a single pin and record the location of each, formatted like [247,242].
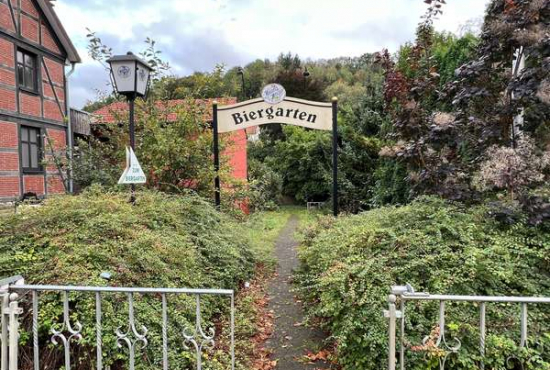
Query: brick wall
[47,90]
[236,152]
[34,30]
[28,7]
[6,21]
[9,186]
[33,184]
[6,53]
[7,76]
[30,104]
[57,138]
[48,40]
[55,185]
[8,135]
[56,72]
[60,91]
[7,99]
[9,161]
[51,110]
[29,28]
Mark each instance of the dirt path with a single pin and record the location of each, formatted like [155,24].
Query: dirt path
[290,341]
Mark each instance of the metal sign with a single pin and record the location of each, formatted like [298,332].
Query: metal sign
[133,174]
[273,93]
[275,107]
[290,111]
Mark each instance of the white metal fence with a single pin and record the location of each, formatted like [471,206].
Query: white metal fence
[133,337]
[399,297]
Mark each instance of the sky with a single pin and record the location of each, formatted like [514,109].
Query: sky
[195,35]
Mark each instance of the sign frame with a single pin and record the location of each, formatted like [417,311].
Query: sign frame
[329,121]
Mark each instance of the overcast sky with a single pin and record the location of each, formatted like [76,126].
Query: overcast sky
[195,35]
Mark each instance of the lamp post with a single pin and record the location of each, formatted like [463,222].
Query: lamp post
[131,78]
[240,71]
[306,75]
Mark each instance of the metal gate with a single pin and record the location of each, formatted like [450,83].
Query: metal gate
[133,338]
[400,295]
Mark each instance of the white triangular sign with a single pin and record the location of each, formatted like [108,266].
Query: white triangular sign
[133,174]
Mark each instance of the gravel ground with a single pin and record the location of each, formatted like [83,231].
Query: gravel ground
[291,340]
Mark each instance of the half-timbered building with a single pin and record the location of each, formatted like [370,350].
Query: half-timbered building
[36,55]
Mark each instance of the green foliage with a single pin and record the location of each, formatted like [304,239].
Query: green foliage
[262,229]
[101,52]
[420,137]
[349,265]
[447,52]
[173,145]
[303,157]
[162,241]
[450,52]
[304,161]
[391,186]
[265,187]
[199,85]
[357,163]
[452,100]
[91,165]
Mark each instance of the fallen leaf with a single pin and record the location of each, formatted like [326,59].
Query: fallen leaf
[321,355]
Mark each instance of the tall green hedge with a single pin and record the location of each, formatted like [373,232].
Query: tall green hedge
[162,241]
[349,265]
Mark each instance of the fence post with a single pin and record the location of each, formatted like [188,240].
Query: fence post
[392,315]
[5,319]
[14,312]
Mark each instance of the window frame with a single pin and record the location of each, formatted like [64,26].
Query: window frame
[34,70]
[39,143]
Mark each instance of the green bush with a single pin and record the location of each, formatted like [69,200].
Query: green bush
[391,185]
[162,241]
[349,265]
[265,187]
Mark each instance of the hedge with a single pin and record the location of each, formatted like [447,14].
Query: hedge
[349,265]
[161,241]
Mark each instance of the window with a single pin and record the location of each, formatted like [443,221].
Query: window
[31,149]
[26,70]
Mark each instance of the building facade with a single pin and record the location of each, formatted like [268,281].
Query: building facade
[34,53]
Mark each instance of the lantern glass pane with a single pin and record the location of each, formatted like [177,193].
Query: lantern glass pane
[124,73]
[142,79]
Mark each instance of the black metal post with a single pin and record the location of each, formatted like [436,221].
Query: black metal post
[131,101]
[216,155]
[335,156]
[243,94]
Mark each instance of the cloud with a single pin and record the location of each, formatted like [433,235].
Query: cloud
[87,80]
[199,50]
[197,35]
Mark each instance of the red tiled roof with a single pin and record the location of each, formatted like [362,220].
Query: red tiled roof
[118,110]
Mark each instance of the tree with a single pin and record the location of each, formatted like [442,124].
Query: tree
[174,145]
[297,85]
[303,160]
[513,168]
[445,128]
[199,85]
